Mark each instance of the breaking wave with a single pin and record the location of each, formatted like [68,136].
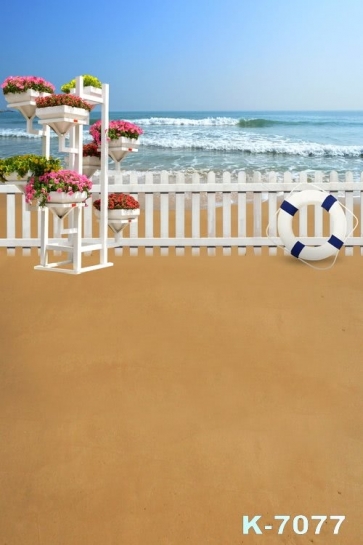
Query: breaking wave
[184,121]
[260,123]
[251,146]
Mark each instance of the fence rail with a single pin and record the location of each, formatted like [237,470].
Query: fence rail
[197,212]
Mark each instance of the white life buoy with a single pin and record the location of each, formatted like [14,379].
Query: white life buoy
[288,209]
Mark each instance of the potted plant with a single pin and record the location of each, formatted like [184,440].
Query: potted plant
[21,91]
[116,129]
[122,209]
[19,85]
[92,87]
[91,158]
[62,111]
[18,168]
[62,186]
[88,81]
[122,137]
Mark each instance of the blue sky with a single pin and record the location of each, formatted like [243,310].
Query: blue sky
[194,54]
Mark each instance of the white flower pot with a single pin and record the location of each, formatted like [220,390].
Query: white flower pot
[56,197]
[25,102]
[20,183]
[90,165]
[13,177]
[118,149]
[62,118]
[64,198]
[94,95]
[120,215]
[117,219]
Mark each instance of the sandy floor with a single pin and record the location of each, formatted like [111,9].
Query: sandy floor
[158,401]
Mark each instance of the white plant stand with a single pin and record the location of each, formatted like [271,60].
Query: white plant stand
[73,245]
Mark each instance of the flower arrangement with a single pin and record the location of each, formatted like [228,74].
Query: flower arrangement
[62,181]
[119,201]
[62,100]
[20,84]
[91,150]
[88,81]
[116,129]
[37,165]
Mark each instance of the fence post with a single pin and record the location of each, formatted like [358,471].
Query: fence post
[272,214]
[211,212]
[241,213]
[257,212]
[226,202]
[195,213]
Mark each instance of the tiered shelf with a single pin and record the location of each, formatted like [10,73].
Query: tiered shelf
[73,245]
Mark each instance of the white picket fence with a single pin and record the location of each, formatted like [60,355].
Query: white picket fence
[197,212]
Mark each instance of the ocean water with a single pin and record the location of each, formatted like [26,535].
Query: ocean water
[219,141]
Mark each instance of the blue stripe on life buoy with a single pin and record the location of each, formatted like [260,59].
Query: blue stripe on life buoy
[328,202]
[289,208]
[297,248]
[336,242]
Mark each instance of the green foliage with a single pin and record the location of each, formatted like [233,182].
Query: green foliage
[37,165]
[87,81]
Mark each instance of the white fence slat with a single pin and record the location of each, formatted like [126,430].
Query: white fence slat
[303,212]
[133,189]
[287,186]
[318,210]
[195,197]
[179,212]
[333,177]
[164,219]
[134,234]
[211,211]
[25,225]
[272,214]
[349,204]
[227,217]
[179,220]
[241,212]
[164,213]
[149,220]
[257,212]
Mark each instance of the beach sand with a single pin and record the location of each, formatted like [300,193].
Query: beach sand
[158,401]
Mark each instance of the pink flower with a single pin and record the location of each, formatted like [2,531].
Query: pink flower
[19,84]
[62,181]
[116,129]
